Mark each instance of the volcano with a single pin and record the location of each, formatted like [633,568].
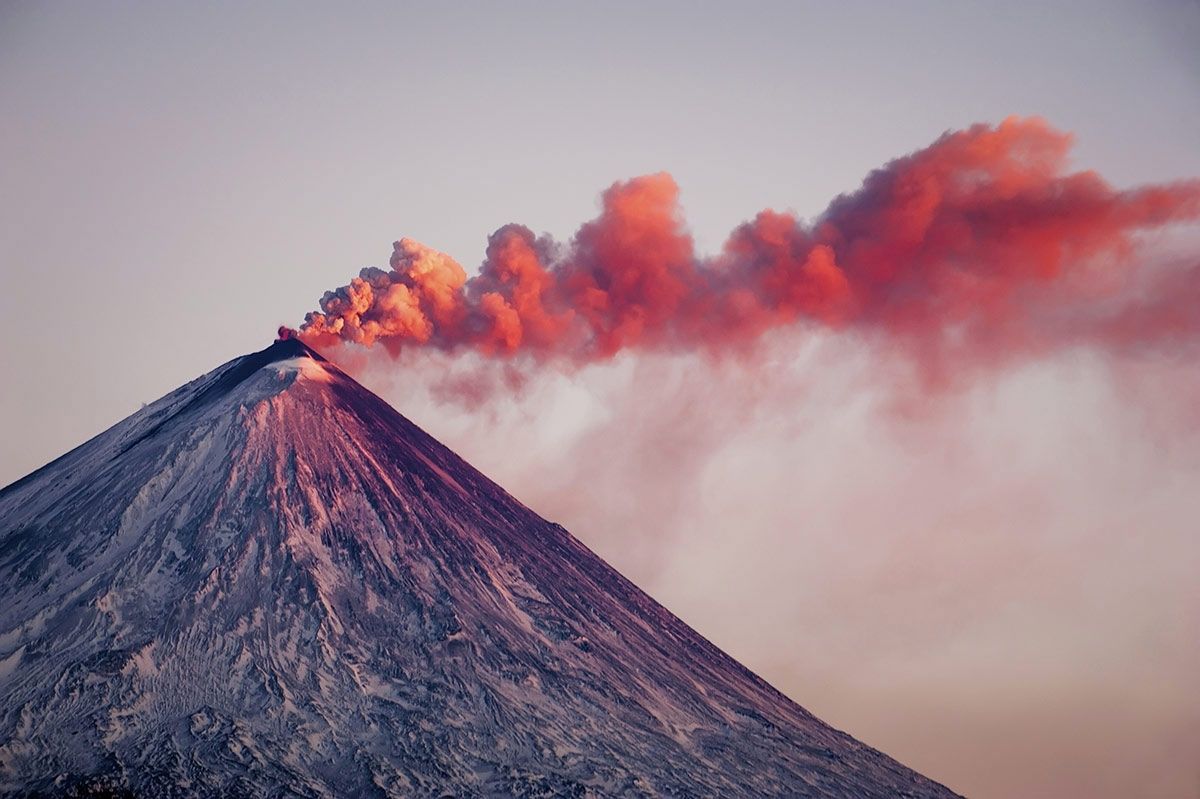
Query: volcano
[270,583]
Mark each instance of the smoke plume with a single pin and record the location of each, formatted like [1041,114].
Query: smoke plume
[979,249]
[1014,557]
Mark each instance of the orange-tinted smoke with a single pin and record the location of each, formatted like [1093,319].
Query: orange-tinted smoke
[980,248]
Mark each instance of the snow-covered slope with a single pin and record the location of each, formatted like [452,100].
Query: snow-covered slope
[270,583]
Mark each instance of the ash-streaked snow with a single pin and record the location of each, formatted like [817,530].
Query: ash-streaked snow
[270,583]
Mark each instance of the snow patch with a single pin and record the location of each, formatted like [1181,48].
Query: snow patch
[9,664]
[304,368]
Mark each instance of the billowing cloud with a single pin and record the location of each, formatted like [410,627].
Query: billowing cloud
[1008,556]
[980,249]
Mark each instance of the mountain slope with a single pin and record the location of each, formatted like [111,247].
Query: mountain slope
[270,583]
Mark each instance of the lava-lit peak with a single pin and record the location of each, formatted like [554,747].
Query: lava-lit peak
[285,333]
[292,521]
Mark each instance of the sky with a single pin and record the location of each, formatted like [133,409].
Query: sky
[997,588]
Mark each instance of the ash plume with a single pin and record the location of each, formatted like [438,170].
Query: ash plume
[978,250]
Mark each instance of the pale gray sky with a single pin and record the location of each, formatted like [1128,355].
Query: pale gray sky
[180,178]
